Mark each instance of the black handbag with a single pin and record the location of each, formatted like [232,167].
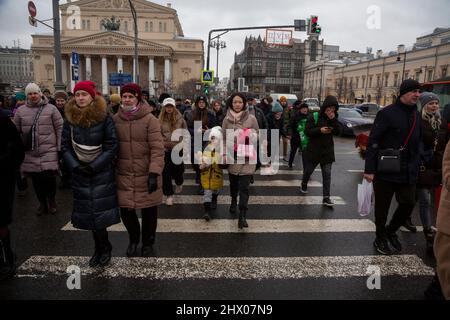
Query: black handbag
[389,160]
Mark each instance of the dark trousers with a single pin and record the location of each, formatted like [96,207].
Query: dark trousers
[240,185]
[171,172]
[44,184]
[405,196]
[308,169]
[295,145]
[149,224]
[7,189]
[22,183]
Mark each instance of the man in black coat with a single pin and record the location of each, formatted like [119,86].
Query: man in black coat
[320,149]
[11,156]
[391,129]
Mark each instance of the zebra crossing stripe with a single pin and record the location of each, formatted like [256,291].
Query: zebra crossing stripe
[257,173]
[264,200]
[255,226]
[265,183]
[257,268]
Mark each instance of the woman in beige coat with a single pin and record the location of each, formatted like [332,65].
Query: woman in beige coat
[139,167]
[245,125]
[171,119]
[442,240]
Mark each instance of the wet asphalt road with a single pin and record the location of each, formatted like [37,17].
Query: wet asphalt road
[43,237]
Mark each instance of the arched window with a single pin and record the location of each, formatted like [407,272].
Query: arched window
[146,26]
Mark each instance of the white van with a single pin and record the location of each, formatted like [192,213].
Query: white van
[291,98]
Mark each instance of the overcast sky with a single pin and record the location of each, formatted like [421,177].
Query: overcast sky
[343,23]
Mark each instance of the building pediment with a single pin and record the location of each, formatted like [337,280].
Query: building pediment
[111,39]
[139,5]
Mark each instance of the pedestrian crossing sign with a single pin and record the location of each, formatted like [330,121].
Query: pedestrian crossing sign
[207,76]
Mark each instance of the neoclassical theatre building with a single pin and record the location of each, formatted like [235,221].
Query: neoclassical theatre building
[102,33]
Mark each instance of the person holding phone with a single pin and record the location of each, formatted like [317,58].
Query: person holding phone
[320,149]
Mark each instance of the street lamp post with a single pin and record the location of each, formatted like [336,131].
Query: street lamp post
[404,63]
[155,85]
[218,45]
[59,85]
[136,61]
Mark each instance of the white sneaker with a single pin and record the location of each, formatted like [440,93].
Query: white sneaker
[169,201]
[178,188]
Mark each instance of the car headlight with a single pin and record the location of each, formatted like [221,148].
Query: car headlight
[349,125]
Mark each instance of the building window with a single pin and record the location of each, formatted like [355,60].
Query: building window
[165,27]
[430,75]
[363,82]
[396,80]
[146,26]
[386,80]
[151,26]
[444,71]
[297,69]
[285,69]
[357,83]
[418,75]
[378,81]
[125,26]
[83,24]
[160,27]
[88,24]
[370,81]
[406,75]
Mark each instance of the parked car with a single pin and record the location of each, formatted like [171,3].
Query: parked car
[352,122]
[313,104]
[291,98]
[369,108]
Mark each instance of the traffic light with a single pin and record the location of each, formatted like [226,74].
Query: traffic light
[206,89]
[314,27]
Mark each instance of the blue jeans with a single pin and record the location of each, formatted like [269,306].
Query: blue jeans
[425,206]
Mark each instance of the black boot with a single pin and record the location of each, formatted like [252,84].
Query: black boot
[214,201]
[207,214]
[409,225]
[429,238]
[7,259]
[105,248]
[233,206]
[242,223]
[93,262]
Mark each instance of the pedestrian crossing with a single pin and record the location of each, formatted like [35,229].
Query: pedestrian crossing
[318,247]
[230,268]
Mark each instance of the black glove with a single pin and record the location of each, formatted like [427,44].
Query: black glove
[152,182]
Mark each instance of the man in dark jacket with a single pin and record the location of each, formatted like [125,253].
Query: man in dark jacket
[391,129]
[320,149]
[11,156]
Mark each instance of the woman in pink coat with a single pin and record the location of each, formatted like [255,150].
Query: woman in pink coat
[40,125]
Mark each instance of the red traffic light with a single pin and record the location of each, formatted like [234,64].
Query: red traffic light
[314,19]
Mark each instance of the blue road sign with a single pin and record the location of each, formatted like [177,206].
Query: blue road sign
[75,74]
[119,79]
[75,58]
[207,76]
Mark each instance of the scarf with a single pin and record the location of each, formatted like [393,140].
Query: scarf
[236,116]
[129,111]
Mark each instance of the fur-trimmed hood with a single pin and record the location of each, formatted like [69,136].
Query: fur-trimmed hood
[86,117]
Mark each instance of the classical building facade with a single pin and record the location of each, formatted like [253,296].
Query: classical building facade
[164,53]
[378,79]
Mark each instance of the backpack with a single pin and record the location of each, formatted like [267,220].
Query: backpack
[304,139]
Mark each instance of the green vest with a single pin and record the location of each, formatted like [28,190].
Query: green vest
[304,139]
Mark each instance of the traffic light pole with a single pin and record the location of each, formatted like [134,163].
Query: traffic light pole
[236,29]
[59,85]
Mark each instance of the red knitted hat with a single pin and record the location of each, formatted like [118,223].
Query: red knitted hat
[132,88]
[87,86]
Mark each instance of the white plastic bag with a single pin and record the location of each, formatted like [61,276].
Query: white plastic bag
[365,197]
